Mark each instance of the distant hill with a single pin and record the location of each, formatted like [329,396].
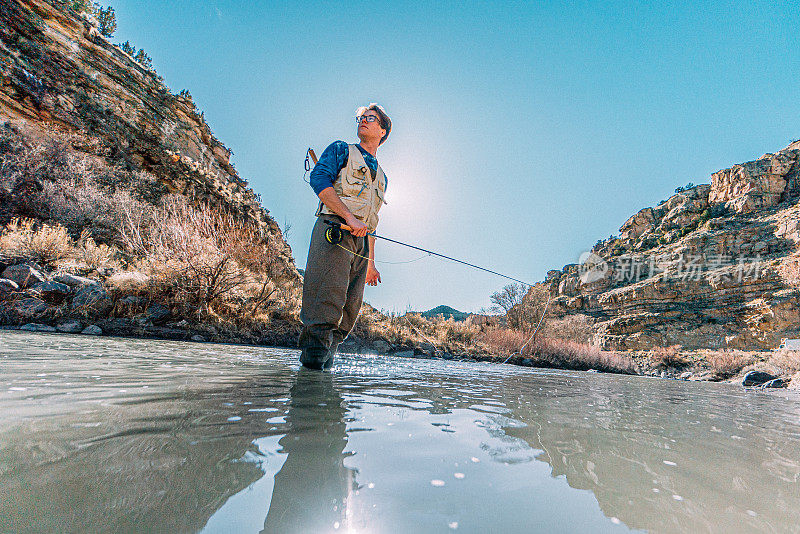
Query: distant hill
[447,312]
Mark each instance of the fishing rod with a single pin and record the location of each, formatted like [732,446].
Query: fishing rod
[334,235]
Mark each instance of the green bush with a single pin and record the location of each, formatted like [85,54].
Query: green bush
[128,48]
[143,59]
[107,20]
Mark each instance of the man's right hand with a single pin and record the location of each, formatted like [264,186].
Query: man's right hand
[357,228]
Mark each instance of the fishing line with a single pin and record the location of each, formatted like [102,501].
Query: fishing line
[534,332]
[382,261]
[334,236]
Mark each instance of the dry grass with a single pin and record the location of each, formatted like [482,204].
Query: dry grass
[503,341]
[554,352]
[565,354]
[96,256]
[202,257]
[729,364]
[787,361]
[196,259]
[669,357]
[27,240]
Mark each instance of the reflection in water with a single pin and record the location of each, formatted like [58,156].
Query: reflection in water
[672,457]
[312,487]
[92,441]
[129,436]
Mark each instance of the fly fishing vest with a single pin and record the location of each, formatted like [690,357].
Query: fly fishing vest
[355,186]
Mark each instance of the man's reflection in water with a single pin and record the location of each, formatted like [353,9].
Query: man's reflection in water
[312,487]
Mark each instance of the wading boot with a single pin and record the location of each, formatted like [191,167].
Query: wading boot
[315,358]
[337,340]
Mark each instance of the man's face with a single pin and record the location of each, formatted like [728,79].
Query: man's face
[370,131]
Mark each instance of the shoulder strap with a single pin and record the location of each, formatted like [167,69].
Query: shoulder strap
[355,155]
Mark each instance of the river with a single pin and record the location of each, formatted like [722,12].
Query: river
[121,435]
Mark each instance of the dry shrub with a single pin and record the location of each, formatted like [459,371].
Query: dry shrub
[524,306]
[49,180]
[503,340]
[48,244]
[416,319]
[129,282]
[558,353]
[94,255]
[456,333]
[573,327]
[787,361]
[666,357]
[202,256]
[564,354]
[187,257]
[728,364]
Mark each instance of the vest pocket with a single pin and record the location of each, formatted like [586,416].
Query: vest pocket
[353,187]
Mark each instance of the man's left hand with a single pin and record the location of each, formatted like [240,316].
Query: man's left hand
[373,276]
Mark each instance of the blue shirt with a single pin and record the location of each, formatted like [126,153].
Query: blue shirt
[326,171]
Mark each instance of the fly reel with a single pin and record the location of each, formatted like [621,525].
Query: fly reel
[334,233]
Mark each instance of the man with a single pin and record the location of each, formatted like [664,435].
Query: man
[351,186]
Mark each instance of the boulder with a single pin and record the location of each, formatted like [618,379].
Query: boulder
[120,326]
[28,308]
[23,275]
[74,280]
[776,383]
[348,347]
[158,313]
[142,320]
[91,299]
[381,346]
[757,378]
[7,287]
[92,330]
[427,348]
[37,327]
[70,327]
[404,354]
[132,302]
[198,338]
[52,291]
[166,332]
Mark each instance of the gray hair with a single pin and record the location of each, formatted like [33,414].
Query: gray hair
[386,122]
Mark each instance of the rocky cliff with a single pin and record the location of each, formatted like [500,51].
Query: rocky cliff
[57,73]
[710,267]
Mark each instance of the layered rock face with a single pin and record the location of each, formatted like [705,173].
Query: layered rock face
[58,72]
[704,269]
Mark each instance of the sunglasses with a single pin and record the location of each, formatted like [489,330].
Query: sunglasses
[368,118]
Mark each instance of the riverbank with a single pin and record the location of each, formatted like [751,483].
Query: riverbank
[750,368]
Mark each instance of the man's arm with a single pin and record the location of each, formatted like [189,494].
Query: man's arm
[323,175]
[373,276]
[329,197]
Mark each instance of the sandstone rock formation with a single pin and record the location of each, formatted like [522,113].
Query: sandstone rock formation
[703,269]
[58,73]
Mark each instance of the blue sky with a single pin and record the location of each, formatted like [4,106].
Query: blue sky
[523,132]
